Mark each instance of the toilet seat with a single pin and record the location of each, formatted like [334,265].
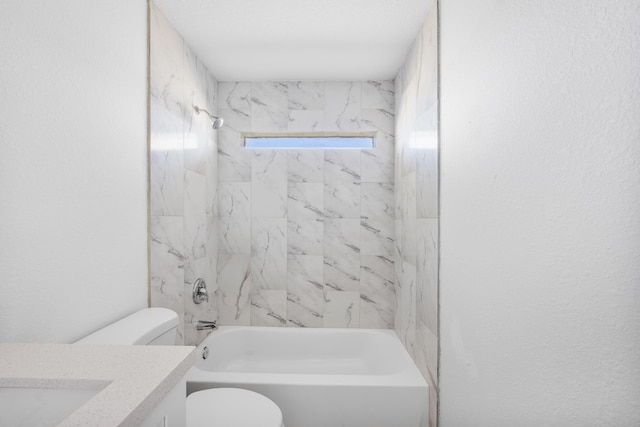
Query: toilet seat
[231,407]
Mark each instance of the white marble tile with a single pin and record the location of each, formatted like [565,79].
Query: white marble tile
[305,200]
[269,308]
[427,272]
[305,95]
[195,219]
[399,140]
[408,217]
[269,184]
[306,121]
[183,169]
[408,156]
[378,120]
[416,198]
[212,252]
[378,94]
[377,295]
[180,330]
[405,311]
[230,138]
[342,236]
[235,308]
[193,270]
[166,72]
[427,84]
[305,272]
[377,236]
[198,135]
[211,91]
[342,201]
[377,165]
[237,120]
[234,288]
[425,129]
[377,200]
[342,271]
[427,353]
[305,308]
[305,165]
[397,198]
[305,236]
[234,227]
[269,165]
[207,310]
[397,251]
[167,262]
[397,271]
[269,199]
[234,273]
[427,174]
[269,107]
[342,253]
[165,162]
[234,161]
[235,96]
[341,309]
[318,256]
[426,359]
[341,166]
[194,79]
[269,254]
[386,142]
[211,178]
[305,220]
[399,232]
[197,131]
[343,106]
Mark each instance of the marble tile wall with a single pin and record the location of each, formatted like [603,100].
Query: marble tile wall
[306,237]
[183,183]
[416,203]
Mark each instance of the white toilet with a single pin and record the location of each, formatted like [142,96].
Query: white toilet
[218,407]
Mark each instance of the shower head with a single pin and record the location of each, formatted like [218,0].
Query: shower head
[217,121]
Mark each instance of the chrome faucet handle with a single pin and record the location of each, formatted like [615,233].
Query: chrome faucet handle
[200,293]
[206,324]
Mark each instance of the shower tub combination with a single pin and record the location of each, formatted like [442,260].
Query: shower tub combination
[318,377]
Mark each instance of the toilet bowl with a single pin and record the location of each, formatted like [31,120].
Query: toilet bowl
[231,407]
[218,407]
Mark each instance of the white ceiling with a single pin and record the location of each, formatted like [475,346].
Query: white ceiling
[258,40]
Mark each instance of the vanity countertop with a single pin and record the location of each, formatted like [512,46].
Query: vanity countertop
[132,379]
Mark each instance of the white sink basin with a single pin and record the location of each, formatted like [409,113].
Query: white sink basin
[39,407]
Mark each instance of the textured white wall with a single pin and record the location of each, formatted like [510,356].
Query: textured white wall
[73,233]
[540,213]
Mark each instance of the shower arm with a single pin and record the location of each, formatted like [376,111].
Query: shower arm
[217,121]
[198,109]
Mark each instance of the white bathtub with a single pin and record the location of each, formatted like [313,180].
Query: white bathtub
[318,377]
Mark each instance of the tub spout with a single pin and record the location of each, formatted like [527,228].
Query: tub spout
[205,324]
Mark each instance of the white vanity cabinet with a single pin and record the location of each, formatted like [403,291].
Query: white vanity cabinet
[133,385]
[172,411]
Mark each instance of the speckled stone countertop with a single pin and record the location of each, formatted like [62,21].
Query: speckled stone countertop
[132,379]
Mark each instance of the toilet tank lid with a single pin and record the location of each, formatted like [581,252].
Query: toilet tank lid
[138,328]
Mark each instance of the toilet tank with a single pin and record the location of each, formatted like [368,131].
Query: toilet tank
[151,326]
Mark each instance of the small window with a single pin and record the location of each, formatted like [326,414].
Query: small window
[309,141]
